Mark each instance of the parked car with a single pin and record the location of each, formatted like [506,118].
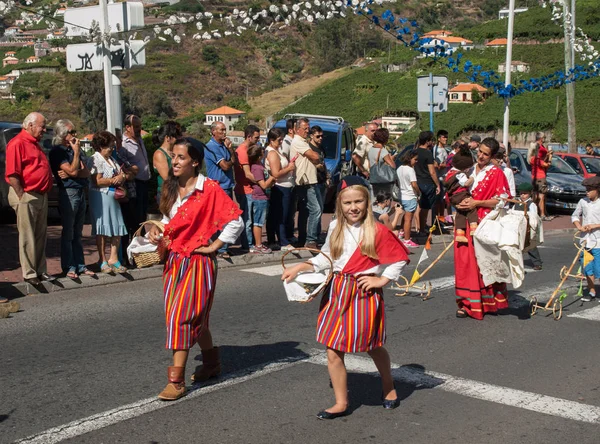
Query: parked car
[338,144]
[583,164]
[564,184]
[8,130]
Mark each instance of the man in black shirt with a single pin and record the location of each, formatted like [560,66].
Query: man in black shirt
[426,177]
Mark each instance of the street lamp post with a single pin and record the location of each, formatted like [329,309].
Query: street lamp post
[508,69]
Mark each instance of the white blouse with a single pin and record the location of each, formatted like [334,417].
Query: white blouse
[230,232]
[352,237]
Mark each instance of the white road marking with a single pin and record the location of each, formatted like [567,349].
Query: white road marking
[129,411]
[273,270]
[534,402]
[591,314]
[465,387]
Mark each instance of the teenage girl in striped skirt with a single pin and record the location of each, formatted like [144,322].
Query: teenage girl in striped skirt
[195,209]
[366,257]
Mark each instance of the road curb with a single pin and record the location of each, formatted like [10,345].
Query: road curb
[21,289]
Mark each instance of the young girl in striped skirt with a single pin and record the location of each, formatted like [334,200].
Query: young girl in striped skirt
[195,209]
[366,257]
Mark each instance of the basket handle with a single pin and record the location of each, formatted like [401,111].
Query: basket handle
[156,223]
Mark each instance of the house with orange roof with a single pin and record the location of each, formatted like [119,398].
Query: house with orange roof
[225,114]
[497,43]
[451,43]
[10,54]
[9,61]
[438,33]
[32,59]
[463,92]
[4,82]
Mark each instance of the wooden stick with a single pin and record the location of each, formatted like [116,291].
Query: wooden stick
[547,307]
[435,261]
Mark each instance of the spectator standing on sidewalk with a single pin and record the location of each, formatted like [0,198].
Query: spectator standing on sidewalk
[540,162]
[219,157]
[427,179]
[287,141]
[71,174]
[282,170]
[364,143]
[30,178]
[260,197]
[134,152]
[164,138]
[440,159]
[379,155]
[409,192]
[590,151]
[107,220]
[243,182]
[315,142]
[309,211]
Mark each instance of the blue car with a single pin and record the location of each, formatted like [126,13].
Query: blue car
[338,144]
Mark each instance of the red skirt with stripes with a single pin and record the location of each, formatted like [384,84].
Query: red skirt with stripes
[351,320]
[189,288]
[472,295]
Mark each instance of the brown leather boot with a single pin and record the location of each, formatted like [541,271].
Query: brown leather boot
[211,365]
[175,389]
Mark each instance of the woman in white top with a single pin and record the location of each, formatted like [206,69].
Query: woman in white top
[409,191]
[107,219]
[200,218]
[278,166]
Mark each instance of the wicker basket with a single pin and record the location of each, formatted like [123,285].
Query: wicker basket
[152,257]
[297,291]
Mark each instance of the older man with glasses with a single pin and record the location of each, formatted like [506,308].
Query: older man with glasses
[71,174]
[30,178]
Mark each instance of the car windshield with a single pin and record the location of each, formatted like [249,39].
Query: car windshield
[560,166]
[592,164]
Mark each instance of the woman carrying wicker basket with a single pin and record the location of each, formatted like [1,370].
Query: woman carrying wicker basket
[366,256]
[194,209]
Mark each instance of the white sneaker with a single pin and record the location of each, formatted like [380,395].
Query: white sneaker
[589,297]
[289,247]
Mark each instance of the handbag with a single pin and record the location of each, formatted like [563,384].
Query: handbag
[381,172]
[121,194]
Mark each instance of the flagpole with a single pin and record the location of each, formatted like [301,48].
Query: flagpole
[432,264]
[508,70]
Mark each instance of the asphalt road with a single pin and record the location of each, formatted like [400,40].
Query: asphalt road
[85,366]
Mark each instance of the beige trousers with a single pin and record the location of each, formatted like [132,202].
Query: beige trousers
[32,223]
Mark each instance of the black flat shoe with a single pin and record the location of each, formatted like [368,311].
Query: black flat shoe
[46,277]
[391,404]
[328,415]
[33,281]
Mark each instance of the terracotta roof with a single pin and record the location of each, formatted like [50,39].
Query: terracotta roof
[225,110]
[437,32]
[455,40]
[9,52]
[497,42]
[467,87]
[3,78]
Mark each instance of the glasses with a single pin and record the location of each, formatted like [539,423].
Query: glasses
[72,132]
[318,137]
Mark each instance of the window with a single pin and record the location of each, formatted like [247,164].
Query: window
[574,163]
[454,96]
[229,117]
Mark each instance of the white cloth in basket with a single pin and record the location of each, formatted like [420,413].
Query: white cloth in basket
[140,244]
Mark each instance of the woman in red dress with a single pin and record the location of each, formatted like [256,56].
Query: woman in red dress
[474,299]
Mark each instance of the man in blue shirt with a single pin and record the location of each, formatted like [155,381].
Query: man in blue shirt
[219,157]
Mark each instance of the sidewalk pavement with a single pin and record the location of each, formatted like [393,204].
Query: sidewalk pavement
[12,285]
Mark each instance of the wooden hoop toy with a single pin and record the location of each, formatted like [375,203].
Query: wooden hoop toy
[554,304]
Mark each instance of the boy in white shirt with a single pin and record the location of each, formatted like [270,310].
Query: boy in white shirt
[586,219]
[525,190]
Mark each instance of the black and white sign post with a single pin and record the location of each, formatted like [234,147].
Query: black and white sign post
[432,95]
[106,56]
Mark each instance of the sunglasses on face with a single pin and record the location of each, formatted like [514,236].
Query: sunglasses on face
[72,132]
[318,137]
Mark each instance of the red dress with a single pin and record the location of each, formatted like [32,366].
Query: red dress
[472,295]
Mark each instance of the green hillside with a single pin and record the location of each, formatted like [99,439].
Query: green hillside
[368,93]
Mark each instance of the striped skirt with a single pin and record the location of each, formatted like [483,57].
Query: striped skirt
[351,320]
[189,288]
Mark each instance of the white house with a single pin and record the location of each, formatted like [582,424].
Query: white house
[463,93]
[449,42]
[398,125]
[516,66]
[505,12]
[32,59]
[229,116]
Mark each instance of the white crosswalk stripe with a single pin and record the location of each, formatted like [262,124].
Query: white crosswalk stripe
[591,314]
[272,270]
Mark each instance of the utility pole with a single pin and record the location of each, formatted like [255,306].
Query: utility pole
[110,124]
[569,64]
[508,70]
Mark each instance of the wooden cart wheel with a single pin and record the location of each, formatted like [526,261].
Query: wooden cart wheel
[402,287]
[562,272]
[557,310]
[533,306]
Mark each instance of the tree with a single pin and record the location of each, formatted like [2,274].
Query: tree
[475,96]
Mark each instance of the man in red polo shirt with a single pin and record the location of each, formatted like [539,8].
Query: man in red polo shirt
[30,178]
